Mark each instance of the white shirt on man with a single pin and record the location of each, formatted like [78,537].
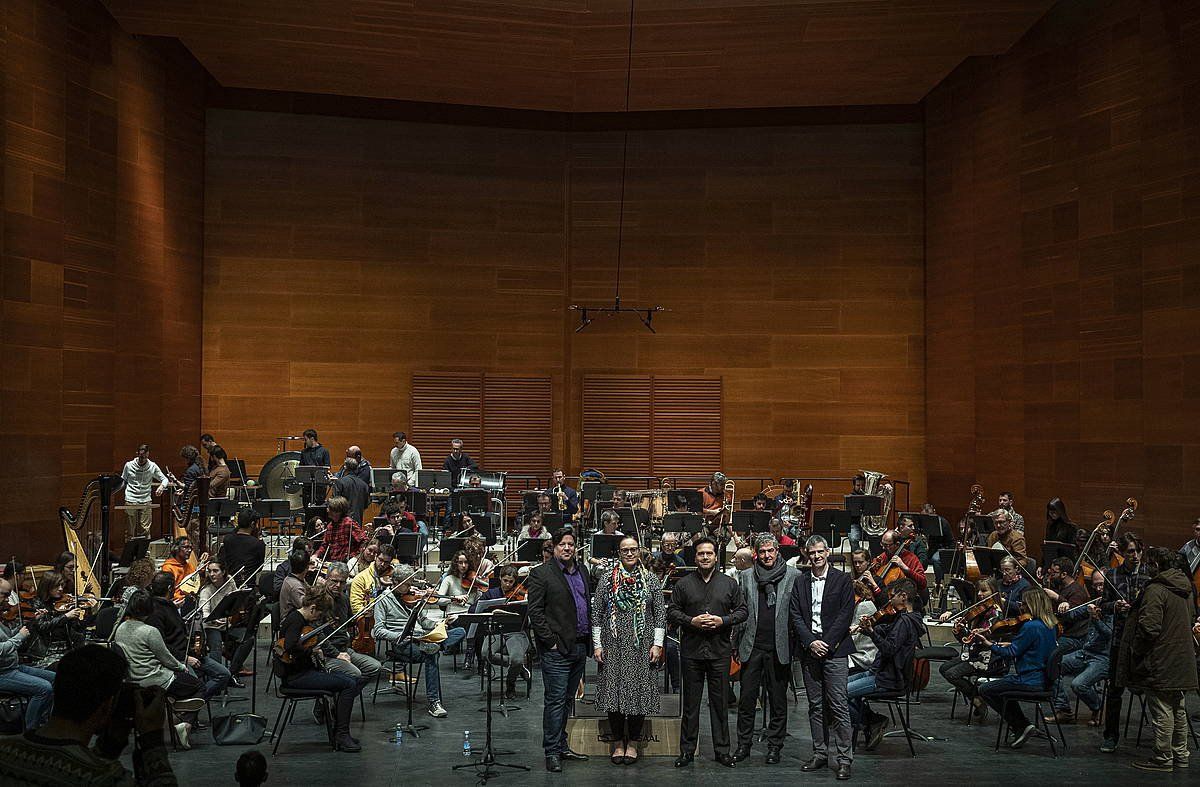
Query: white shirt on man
[408,461]
[140,480]
[818,594]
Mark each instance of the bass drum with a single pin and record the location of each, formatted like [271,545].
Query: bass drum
[277,479]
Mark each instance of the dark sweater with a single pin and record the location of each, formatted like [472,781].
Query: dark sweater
[896,640]
[166,618]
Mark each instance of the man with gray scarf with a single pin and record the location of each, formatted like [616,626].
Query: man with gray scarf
[763,646]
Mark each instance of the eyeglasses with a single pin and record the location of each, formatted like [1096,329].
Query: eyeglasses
[629,550]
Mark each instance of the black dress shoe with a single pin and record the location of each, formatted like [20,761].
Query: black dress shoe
[684,760]
[567,754]
[843,772]
[553,764]
[772,756]
[816,763]
[726,760]
[742,752]
[236,683]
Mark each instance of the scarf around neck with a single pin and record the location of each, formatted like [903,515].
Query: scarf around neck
[769,577]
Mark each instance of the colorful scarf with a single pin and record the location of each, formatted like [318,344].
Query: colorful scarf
[628,591]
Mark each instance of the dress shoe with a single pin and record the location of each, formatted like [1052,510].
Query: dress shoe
[1060,717]
[684,760]
[345,743]
[567,754]
[726,760]
[554,764]
[843,772]
[742,752]
[773,756]
[816,763]
[236,683]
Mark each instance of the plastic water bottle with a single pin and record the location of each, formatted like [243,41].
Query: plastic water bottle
[466,743]
[398,735]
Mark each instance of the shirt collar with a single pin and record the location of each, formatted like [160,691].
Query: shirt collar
[573,569]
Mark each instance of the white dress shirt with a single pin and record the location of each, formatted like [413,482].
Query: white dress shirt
[818,594]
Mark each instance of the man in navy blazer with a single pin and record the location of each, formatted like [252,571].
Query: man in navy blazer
[822,605]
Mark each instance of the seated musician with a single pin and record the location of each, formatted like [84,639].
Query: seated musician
[151,663]
[919,544]
[896,638]
[784,540]
[340,657]
[34,684]
[177,564]
[1059,526]
[558,482]
[476,549]
[712,503]
[865,589]
[391,616]
[533,527]
[1006,535]
[669,550]
[372,580]
[976,660]
[515,645]
[1030,652]
[545,503]
[1065,594]
[65,564]
[165,617]
[610,522]
[242,549]
[291,593]
[298,663]
[402,521]
[58,621]
[1013,585]
[1083,668]
[364,558]
[218,584]
[743,559]
[458,590]
[900,559]
[284,569]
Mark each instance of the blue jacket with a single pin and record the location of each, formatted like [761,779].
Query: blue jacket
[1031,651]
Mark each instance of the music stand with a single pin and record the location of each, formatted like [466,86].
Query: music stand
[628,521]
[381,478]
[683,522]
[760,521]
[786,553]
[1057,549]
[275,510]
[507,627]
[494,623]
[408,547]
[983,524]
[418,503]
[529,550]
[605,546]
[473,501]
[552,522]
[989,560]
[864,505]
[741,521]
[134,549]
[433,479]
[410,686]
[695,502]
[449,547]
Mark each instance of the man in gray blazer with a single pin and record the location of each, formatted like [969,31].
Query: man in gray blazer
[763,645]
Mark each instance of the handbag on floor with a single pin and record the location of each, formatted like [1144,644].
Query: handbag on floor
[238,729]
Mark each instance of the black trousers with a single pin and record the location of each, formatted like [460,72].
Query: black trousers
[762,668]
[624,727]
[696,673]
[1113,694]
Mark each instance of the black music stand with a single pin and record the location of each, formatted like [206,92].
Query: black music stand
[786,553]
[683,522]
[529,550]
[494,623]
[433,479]
[741,521]
[1057,549]
[449,547]
[222,509]
[864,505]
[628,521]
[381,478]
[605,546]
[236,601]
[552,522]
[410,686]
[473,501]
[983,524]
[279,511]
[408,548]
[695,501]
[507,626]
[989,560]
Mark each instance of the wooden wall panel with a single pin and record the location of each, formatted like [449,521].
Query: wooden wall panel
[100,245]
[1062,305]
[344,255]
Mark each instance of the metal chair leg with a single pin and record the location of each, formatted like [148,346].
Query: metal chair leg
[277,731]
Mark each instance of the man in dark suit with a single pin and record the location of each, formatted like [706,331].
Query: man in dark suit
[559,616]
[821,607]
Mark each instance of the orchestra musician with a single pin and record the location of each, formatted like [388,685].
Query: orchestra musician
[1013,585]
[865,589]
[343,533]
[177,564]
[706,605]
[459,589]
[545,503]
[1190,551]
[558,485]
[1121,591]
[781,538]
[297,662]
[1084,668]
[763,646]
[457,462]
[1004,502]
[405,457]
[360,467]
[365,557]
[1005,534]
[712,505]
[219,475]
[1030,652]
[896,637]
[976,661]
[351,488]
[820,608]
[339,656]
[66,564]
[165,617]
[559,617]
[515,645]
[373,579]
[140,474]
[285,568]
[313,455]
[533,527]
[669,550]
[56,620]
[1059,526]
[241,550]
[191,456]
[901,562]
[918,543]
[291,593]
[392,612]
[208,443]
[1065,593]
[34,684]
[216,587]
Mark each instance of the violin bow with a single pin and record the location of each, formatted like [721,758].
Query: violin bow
[965,610]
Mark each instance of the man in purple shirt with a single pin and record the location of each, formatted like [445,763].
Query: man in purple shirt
[560,618]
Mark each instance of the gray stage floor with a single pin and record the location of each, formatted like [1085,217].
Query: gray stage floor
[965,754]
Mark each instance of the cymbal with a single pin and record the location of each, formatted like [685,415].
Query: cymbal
[276,479]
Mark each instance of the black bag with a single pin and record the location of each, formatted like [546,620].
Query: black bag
[12,717]
[238,729]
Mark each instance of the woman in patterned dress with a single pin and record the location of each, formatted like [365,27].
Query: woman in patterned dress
[629,621]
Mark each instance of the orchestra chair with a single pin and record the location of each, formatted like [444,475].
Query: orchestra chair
[106,621]
[1036,697]
[287,709]
[273,611]
[899,706]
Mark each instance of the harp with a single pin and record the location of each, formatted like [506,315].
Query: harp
[89,520]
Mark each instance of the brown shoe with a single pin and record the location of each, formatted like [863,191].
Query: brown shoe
[1060,717]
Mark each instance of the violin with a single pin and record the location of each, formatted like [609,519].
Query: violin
[518,593]
[307,644]
[1005,626]
[84,601]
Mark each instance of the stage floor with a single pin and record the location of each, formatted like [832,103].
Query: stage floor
[965,755]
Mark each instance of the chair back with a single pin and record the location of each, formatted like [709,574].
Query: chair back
[1053,668]
[266,583]
[106,621]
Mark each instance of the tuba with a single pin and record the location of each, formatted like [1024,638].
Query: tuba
[801,513]
[875,485]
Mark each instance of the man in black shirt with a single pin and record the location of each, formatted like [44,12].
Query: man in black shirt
[763,646]
[166,618]
[360,466]
[313,455]
[241,550]
[457,462]
[351,486]
[705,605]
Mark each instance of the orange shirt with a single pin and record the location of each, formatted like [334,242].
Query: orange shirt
[179,571]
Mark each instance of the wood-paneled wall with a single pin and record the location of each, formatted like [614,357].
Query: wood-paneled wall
[342,255]
[1063,282]
[102,140]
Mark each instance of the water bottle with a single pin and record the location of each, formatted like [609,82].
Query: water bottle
[398,735]
[466,743]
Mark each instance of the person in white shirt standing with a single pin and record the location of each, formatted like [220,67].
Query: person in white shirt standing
[405,457]
[140,476]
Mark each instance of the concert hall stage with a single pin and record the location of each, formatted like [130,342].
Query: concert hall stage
[966,754]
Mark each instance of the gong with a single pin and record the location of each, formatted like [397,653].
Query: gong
[277,479]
